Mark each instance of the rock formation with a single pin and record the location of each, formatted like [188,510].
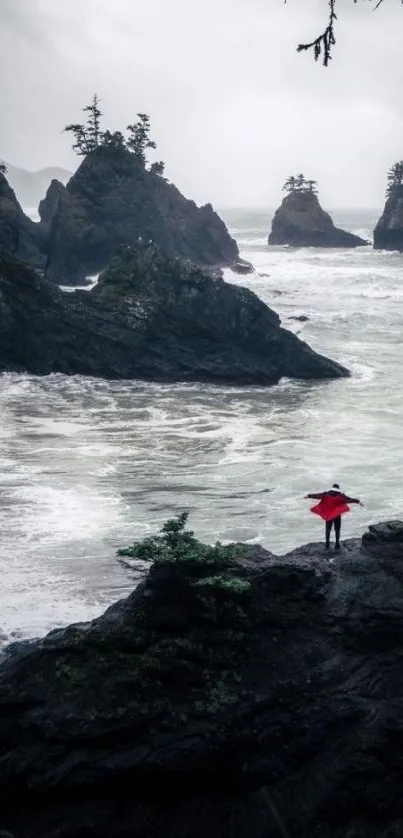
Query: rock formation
[388,233]
[149,317]
[269,704]
[19,235]
[49,205]
[111,200]
[30,187]
[300,221]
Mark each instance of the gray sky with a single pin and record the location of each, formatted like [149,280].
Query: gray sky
[234,109]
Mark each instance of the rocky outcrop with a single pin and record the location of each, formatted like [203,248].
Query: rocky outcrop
[388,233]
[111,200]
[149,317]
[300,221]
[267,705]
[19,235]
[49,205]
[30,187]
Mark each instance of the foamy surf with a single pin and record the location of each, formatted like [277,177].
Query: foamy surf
[87,465]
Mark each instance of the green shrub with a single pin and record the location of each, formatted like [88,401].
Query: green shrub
[178,547]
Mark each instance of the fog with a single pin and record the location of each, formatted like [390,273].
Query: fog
[234,108]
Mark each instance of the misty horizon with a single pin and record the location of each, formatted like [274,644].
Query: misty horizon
[234,109]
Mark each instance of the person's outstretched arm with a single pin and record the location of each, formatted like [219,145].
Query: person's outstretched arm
[351,500]
[317,496]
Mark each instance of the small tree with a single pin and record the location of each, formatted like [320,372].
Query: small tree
[113,140]
[87,137]
[139,138]
[3,168]
[93,121]
[395,178]
[311,186]
[289,185]
[300,182]
[157,168]
[200,565]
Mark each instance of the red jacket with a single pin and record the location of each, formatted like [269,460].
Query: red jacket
[332,504]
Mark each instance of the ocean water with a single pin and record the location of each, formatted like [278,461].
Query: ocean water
[87,465]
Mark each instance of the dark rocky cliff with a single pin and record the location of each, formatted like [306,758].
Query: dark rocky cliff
[300,221]
[49,205]
[149,317]
[19,235]
[268,705]
[113,200]
[388,233]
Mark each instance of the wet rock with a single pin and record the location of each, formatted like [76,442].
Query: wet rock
[242,267]
[300,221]
[113,200]
[302,318]
[30,187]
[190,712]
[19,236]
[49,205]
[150,317]
[388,233]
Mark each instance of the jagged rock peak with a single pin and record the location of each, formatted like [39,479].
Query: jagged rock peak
[112,199]
[49,205]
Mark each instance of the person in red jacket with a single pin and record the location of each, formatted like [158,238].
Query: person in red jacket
[332,505]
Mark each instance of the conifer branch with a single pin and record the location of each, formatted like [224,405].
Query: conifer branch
[323,43]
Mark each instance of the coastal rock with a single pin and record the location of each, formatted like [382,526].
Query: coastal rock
[19,235]
[388,233]
[242,267]
[49,205]
[111,200]
[30,187]
[268,706]
[149,317]
[300,221]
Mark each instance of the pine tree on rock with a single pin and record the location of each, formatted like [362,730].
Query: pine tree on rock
[113,140]
[289,185]
[139,138]
[299,184]
[87,138]
[93,122]
[157,168]
[395,178]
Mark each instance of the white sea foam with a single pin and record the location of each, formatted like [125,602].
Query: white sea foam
[88,465]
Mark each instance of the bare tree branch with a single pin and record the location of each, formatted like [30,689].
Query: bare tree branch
[323,43]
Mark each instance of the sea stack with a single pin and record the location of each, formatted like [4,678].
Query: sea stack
[113,199]
[388,233]
[300,221]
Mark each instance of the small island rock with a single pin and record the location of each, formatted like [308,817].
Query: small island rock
[388,233]
[112,199]
[300,221]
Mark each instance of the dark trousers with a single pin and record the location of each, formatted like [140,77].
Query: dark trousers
[337,526]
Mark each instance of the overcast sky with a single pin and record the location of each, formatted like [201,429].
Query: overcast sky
[234,109]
